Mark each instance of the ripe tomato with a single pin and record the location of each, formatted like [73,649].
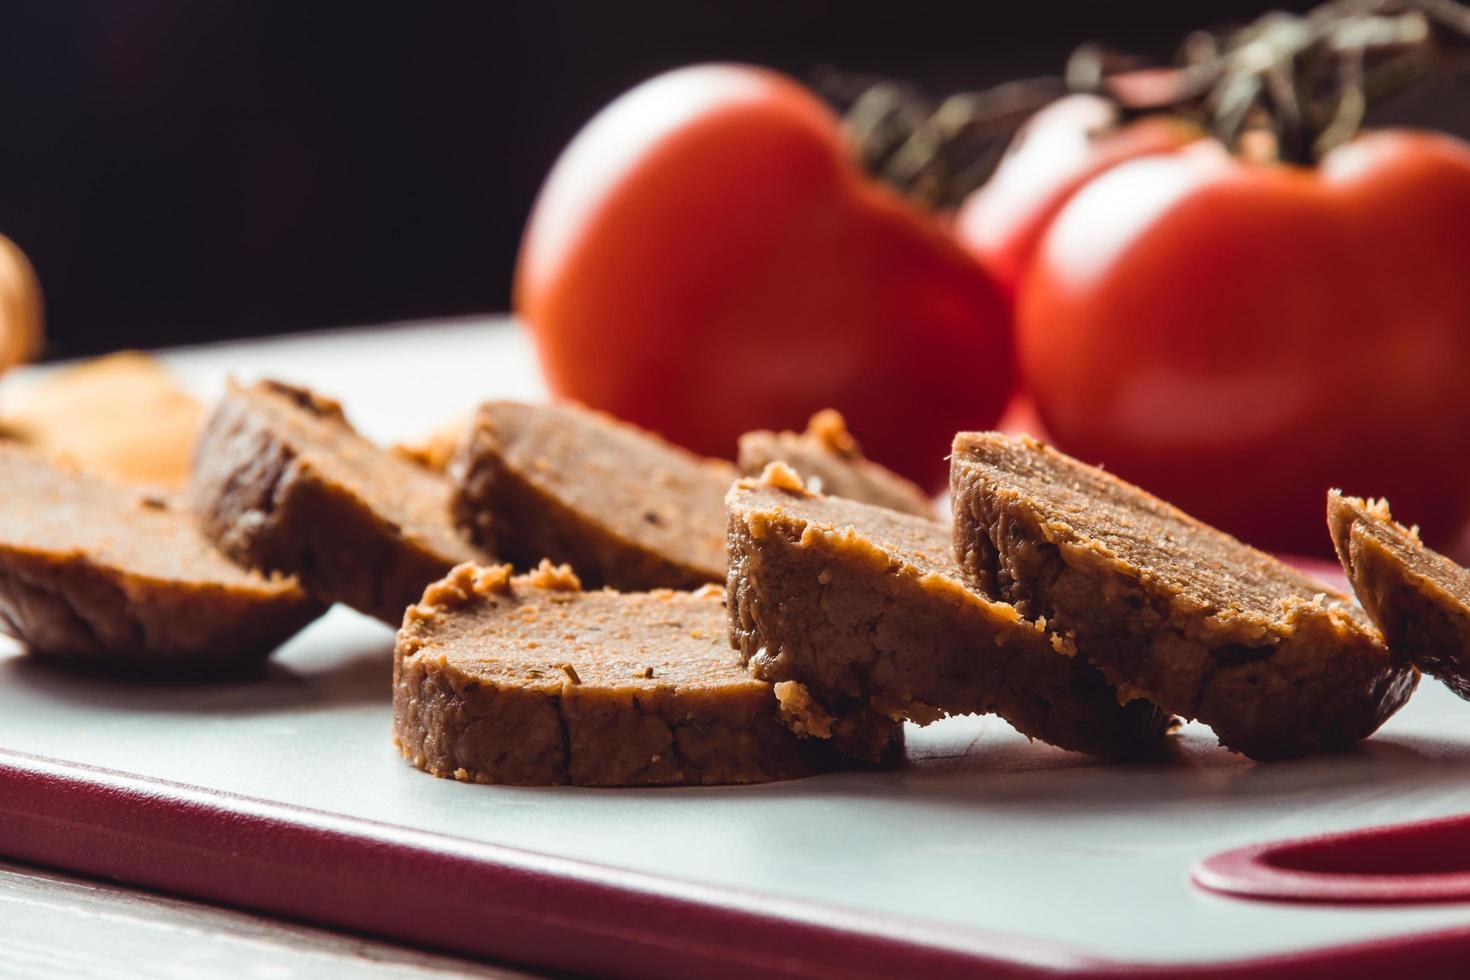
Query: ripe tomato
[1057,152]
[704,259]
[1240,337]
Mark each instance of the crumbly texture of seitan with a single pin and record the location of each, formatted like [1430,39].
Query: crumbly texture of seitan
[434,451]
[1419,598]
[1168,607]
[620,505]
[283,482]
[531,681]
[95,570]
[862,609]
[830,461]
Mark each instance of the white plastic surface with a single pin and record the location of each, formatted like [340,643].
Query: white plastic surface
[979,829]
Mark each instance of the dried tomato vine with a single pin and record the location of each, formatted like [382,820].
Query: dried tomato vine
[1302,81]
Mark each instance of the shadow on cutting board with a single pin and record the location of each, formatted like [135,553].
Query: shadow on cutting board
[356,668]
[983,764]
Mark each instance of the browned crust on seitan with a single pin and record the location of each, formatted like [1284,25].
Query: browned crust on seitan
[124,577]
[864,608]
[1419,598]
[529,681]
[829,455]
[1166,606]
[282,482]
[620,505]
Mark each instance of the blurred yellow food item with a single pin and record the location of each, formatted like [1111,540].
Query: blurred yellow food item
[120,416]
[20,307]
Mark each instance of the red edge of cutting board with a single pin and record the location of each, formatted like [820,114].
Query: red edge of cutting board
[512,905]
[1418,862]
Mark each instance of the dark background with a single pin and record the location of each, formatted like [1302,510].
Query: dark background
[180,172]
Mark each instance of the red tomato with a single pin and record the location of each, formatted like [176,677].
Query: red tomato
[1057,152]
[1240,337]
[704,259]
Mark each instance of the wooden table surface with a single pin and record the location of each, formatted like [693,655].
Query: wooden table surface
[57,926]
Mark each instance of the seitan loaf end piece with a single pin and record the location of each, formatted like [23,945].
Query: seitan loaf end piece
[1419,598]
[95,570]
[1168,607]
[830,461]
[529,680]
[283,482]
[860,611]
[620,505]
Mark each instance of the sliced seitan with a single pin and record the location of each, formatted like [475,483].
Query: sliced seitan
[830,461]
[620,505]
[284,483]
[1168,607]
[532,681]
[91,569]
[1419,598]
[856,611]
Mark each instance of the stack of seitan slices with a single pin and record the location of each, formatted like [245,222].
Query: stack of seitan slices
[1419,598]
[530,680]
[857,612]
[283,482]
[1167,607]
[99,571]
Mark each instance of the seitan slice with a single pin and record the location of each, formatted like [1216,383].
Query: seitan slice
[1419,598]
[91,569]
[283,482]
[532,681]
[860,610]
[1168,607]
[617,503]
[830,461]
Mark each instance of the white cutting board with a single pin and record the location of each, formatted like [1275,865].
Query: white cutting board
[978,830]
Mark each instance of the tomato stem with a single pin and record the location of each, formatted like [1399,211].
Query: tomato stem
[1309,78]
[1301,83]
[933,153]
